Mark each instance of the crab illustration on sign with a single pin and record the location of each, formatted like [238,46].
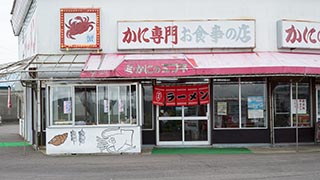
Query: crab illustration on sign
[78,25]
[80,28]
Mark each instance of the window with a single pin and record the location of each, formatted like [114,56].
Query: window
[85,105]
[93,105]
[117,104]
[226,103]
[253,109]
[289,103]
[239,104]
[61,104]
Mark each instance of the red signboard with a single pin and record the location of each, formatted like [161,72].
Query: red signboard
[171,96]
[204,95]
[192,95]
[182,98]
[154,68]
[9,98]
[181,95]
[158,95]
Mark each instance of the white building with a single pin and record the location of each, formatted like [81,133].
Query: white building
[112,76]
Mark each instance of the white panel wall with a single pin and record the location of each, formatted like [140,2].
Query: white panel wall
[112,140]
[265,12]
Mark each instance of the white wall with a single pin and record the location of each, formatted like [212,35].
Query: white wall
[265,12]
[93,140]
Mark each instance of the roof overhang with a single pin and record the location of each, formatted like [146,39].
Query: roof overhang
[213,64]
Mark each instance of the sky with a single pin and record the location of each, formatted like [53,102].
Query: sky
[8,42]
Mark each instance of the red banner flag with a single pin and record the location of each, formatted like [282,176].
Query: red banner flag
[9,97]
[158,95]
[204,95]
[182,96]
[171,96]
[192,93]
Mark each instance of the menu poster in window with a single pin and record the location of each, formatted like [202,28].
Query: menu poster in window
[222,108]
[302,106]
[255,107]
[121,106]
[67,107]
[171,96]
[105,106]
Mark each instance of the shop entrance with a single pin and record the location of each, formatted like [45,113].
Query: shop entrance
[183,125]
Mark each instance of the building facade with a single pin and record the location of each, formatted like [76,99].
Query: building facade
[110,77]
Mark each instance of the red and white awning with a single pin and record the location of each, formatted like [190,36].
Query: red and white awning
[185,65]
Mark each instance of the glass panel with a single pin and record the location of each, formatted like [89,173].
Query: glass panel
[199,110]
[134,108]
[147,107]
[61,104]
[303,104]
[253,108]
[170,130]
[196,130]
[226,103]
[117,104]
[114,104]
[170,111]
[282,105]
[124,104]
[85,105]
[104,105]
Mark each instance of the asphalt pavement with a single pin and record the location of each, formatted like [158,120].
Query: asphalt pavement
[280,162]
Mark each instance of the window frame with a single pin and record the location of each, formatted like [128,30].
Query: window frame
[238,82]
[291,112]
[72,88]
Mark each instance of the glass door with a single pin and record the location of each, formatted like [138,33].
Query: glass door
[183,125]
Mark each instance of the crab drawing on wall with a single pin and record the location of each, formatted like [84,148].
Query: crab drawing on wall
[78,25]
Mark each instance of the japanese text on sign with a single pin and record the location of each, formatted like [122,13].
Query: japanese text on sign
[302,106]
[181,95]
[186,34]
[295,34]
[152,69]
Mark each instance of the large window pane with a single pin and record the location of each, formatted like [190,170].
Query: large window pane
[114,104]
[124,104]
[117,104]
[253,108]
[282,105]
[170,111]
[303,104]
[196,130]
[85,105]
[287,104]
[170,130]
[61,105]
[198,110]
[104,105]
[226,103]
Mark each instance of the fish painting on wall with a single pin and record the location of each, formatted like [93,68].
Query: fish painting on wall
[58,139]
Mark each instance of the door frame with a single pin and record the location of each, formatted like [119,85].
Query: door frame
[183,119]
